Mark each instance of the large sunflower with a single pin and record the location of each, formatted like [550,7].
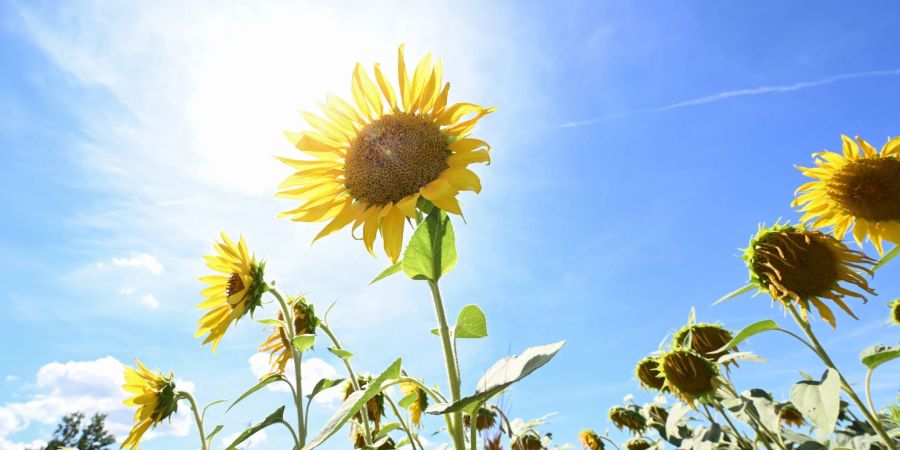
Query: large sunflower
[377,160]
[234,293]
[154,397]
[858,190]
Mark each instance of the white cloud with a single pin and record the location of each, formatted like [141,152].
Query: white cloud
[143,260]
[88,386]
[259,438]
[150,301]
[11,378]
[126,290]
[314,369]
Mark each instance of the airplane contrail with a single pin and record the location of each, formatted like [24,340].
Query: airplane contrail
[736,93]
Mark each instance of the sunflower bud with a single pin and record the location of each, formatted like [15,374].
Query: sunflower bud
[590,440]
[647,373]
[705,339]
[637,443]
[689,375]
[627,418]
[799,266]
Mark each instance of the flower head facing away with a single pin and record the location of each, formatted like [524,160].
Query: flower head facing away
[857,189]
[689,375]
[419,403]
[799,266]
[790,415]
[590,440]
[627,418]
[704,338]
[376,161]
[154,396]
[277,345]
[647,373]
[637,443]
[233,293]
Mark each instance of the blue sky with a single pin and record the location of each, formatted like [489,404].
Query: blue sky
[637,145]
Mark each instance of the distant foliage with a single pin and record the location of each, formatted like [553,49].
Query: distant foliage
[74,432]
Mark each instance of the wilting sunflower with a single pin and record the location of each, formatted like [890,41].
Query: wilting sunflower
[637,443]
[418,405]
[895,312]
[704,338]
[375,406]
[790,415]
[234,293]
[529,440]
[305,322]
[627,418]
[590,440]
[154,397]
[796,265]
[376,161]
[647,373]
[655,414]
[486,420]
[858,190]
[689,375]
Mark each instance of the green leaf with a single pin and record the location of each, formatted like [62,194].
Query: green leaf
[819,401]
[323,384]
[275,417]
[385,429]
[500,376]
[303,342]
[735,293]
[741,356]
[877,355]
[408,400]
[673,421]
[750,330]
[215,431]
[887,257]
[271,322]
[471,323]
[353,404]
[692,317]
[435,332]
[262,383]
[431,251]
[396,267]
[341,353]
[203,414]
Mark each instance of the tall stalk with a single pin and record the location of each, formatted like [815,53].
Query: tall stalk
[296,356]
[190,398]
[456,429]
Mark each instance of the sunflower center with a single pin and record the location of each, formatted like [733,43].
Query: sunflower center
[868,188]
[393,157]
[235,285]
[801,262]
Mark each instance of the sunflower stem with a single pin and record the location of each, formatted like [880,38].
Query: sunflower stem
[454,421]
[413,440]
[869,391]
[353,380]
[190,398]
[296,356]
[823,355]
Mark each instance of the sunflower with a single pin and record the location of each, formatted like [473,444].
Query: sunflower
[590,440]
[374,407]
[853,190]
[704,338]
[895,311]
[418,405]
[689,375]
[231,295]
[377,162]
[154,397]
[796,265]
[647,373]
[637,443]
[627,418]
[790,415]
[305,322]
[487,418]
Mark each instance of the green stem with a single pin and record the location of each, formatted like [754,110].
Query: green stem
[297,360]
[869,391]
[473,427]
[297,445]
[609,440]
[353,380]
[190,398]
[823,355]
[454,423]
[413,440]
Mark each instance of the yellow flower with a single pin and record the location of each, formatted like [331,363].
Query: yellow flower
[590,440]
[377,161]
[305,322]
[419,404]
[895,311]
[796,265]
[627,418]
[689,375]
[233,294]
[853,190]
[154,397]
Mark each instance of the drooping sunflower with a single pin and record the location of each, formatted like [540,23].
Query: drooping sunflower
[647,373]
[859,189]
[374,407]
[629,418]
[637,443]
[590,440]
[375,162]
[154,397]
[418,405]
[486,420]
[790,415]
[704,338]
[799,266]
[234,293]
[689,375]
[277,345]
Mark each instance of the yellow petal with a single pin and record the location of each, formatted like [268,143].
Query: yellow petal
[464,159]
[408,205]
[392,233]
[462,179]
[442,194]
[468,145]
[349,212]
[403,80]
[386,88]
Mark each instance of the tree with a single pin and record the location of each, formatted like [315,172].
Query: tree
[71,433]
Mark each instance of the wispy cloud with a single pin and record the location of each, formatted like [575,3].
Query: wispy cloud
[736,93]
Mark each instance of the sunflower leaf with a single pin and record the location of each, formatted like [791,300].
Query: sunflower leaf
[271,322]
[820,401]
[213,433]
[748,331]
[303,342]
[887,257]
[471,323]
[877,355]
[735,293]
[262,383]
[394,268]
[431,251]
[341,353]
[323,384]
[353,404]
[276,417]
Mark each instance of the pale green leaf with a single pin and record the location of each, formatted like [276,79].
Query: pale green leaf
[735,293]
[262,383]
[819,401]
[394,268]
[431,251]
[471,323]
[748,331]
[303,342]
[887,257]
[275,417]
[341,353]
[324,383]
[877,355]
[271,322]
